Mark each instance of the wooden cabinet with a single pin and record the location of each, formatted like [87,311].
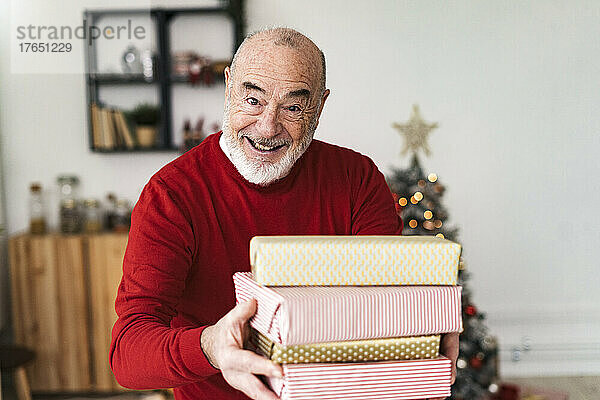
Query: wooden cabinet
[63,292]
[105,270]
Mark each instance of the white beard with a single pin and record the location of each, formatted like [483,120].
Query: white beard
[262,172]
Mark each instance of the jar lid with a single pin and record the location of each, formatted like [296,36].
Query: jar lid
[68,203]
[123,203]
[67,180]
[91,203]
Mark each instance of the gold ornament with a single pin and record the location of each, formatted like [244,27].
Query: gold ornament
[415,132]
[428,225]
[421,183]
[440,235]
[438,223]
[428,214]
[413,223]
[402,201]
[432,177]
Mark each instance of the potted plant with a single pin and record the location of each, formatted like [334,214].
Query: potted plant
[146,118]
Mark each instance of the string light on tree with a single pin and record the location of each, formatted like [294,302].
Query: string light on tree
[428,225]
[419,196]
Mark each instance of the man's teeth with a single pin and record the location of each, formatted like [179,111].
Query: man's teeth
[262,147]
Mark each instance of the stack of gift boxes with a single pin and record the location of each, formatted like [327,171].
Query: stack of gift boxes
[354,317]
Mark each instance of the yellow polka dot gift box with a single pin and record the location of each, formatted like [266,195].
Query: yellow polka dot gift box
[353,260]
[388,349]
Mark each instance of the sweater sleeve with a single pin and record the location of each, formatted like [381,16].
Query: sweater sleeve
[145,352]
[373,208]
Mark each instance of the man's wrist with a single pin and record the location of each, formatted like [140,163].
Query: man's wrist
[207,345]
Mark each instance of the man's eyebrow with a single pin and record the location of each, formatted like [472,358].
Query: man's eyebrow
[299,93]
[252,86]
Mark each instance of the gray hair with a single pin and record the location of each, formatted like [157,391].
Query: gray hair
[283,37]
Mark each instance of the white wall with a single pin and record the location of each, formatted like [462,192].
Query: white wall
[515,89]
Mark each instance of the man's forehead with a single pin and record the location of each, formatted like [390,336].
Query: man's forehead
[286,65]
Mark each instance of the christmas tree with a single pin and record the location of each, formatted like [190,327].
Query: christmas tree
[418,197]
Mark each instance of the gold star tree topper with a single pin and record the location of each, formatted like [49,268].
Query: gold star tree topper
[415,132]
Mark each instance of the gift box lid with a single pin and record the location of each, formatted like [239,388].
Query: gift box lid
[354,260]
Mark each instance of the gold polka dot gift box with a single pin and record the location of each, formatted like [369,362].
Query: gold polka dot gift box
[388,349]
[353,260]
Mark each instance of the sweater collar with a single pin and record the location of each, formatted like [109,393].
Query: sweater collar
[223,145]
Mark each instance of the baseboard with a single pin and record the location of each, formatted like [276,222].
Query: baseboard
[548,341]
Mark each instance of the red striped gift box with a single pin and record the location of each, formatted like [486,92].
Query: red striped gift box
[411,379]
[302,315]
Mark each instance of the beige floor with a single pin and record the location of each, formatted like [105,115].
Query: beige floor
[578,387]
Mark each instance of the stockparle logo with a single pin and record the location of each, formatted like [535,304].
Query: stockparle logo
[42,33]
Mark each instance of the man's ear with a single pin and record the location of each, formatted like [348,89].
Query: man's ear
[227,73]
[325,95]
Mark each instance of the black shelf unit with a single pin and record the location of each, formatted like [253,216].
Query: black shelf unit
[161,17]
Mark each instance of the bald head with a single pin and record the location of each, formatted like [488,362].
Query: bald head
[283,37]
[274,96]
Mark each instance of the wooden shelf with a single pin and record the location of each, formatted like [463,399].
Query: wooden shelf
[121,78]
[139,150]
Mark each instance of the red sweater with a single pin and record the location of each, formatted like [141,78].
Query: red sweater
[190,232]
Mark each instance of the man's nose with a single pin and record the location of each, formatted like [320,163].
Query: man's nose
[268,123]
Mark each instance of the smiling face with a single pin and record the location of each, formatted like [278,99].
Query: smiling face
[274,98]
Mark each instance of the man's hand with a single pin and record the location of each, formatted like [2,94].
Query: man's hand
[223,344]
[449,348]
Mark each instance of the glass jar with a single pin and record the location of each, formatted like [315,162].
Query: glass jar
[70,218]
[37,217]
[110,207]
[70,215]
[92,216]
[122,218]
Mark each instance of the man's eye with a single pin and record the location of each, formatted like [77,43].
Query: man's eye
[252,101]
[294,109]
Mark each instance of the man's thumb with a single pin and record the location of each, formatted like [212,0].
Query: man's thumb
[244,311]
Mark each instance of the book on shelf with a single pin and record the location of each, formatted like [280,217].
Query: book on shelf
[97,130]
[110,130]
[124,130]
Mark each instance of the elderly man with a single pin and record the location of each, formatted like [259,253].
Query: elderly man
[191,228]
